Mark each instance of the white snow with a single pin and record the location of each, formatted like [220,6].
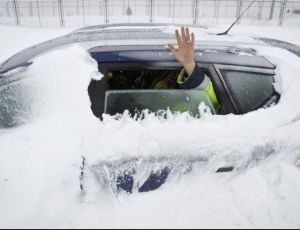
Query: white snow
[40,161]
[90,12]
[13,40]
[282,33]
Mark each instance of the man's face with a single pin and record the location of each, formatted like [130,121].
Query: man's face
[170,82]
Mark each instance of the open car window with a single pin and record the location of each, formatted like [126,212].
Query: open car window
[117,101]
[135,87]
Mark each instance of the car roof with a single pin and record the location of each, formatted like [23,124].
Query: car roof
[156,53]
[146,37]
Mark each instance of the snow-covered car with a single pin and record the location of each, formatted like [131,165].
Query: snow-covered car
[243,81]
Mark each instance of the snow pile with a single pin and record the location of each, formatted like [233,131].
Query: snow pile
[285,34]
[35,157]
[40,161]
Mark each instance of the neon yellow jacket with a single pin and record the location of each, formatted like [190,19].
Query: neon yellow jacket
[197,80]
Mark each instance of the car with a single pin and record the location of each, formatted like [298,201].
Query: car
[243,81]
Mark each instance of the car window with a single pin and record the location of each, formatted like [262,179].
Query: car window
[117,101]
[250,90]
[15,106]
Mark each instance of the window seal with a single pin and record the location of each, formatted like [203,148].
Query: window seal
[232,99]
[245,69]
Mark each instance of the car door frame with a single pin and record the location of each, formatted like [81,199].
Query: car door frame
[220,67]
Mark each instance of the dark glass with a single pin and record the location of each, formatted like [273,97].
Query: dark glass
[251,90]
[155,101]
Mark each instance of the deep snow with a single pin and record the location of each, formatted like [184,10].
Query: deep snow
[40,161]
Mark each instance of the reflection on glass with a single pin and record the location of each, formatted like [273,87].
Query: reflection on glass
[251,90]
[118,101]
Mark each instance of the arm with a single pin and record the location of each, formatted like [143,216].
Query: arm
[185,53]
[199,80]
[191,77]
[191,81]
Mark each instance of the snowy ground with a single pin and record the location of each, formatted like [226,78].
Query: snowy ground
[40,161]
[91,12]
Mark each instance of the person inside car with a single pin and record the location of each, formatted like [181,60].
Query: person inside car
[191,76]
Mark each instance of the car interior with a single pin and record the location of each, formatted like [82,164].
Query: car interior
[130,86]
[136,79]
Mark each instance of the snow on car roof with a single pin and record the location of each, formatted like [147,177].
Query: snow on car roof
[217,55]
[137,34]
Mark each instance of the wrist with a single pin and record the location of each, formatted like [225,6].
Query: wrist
[190,67]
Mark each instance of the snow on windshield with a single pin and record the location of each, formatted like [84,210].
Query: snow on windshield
[40,161]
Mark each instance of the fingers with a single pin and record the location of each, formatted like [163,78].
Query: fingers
[172,48]
[183,35]
[193,39]
[185,38]
[188,35]
[179,39]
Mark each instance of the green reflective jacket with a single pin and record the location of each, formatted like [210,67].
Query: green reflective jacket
[197,80]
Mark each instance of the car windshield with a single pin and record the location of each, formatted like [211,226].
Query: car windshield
[117,101]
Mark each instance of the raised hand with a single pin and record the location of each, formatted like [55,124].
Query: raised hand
[185,53]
